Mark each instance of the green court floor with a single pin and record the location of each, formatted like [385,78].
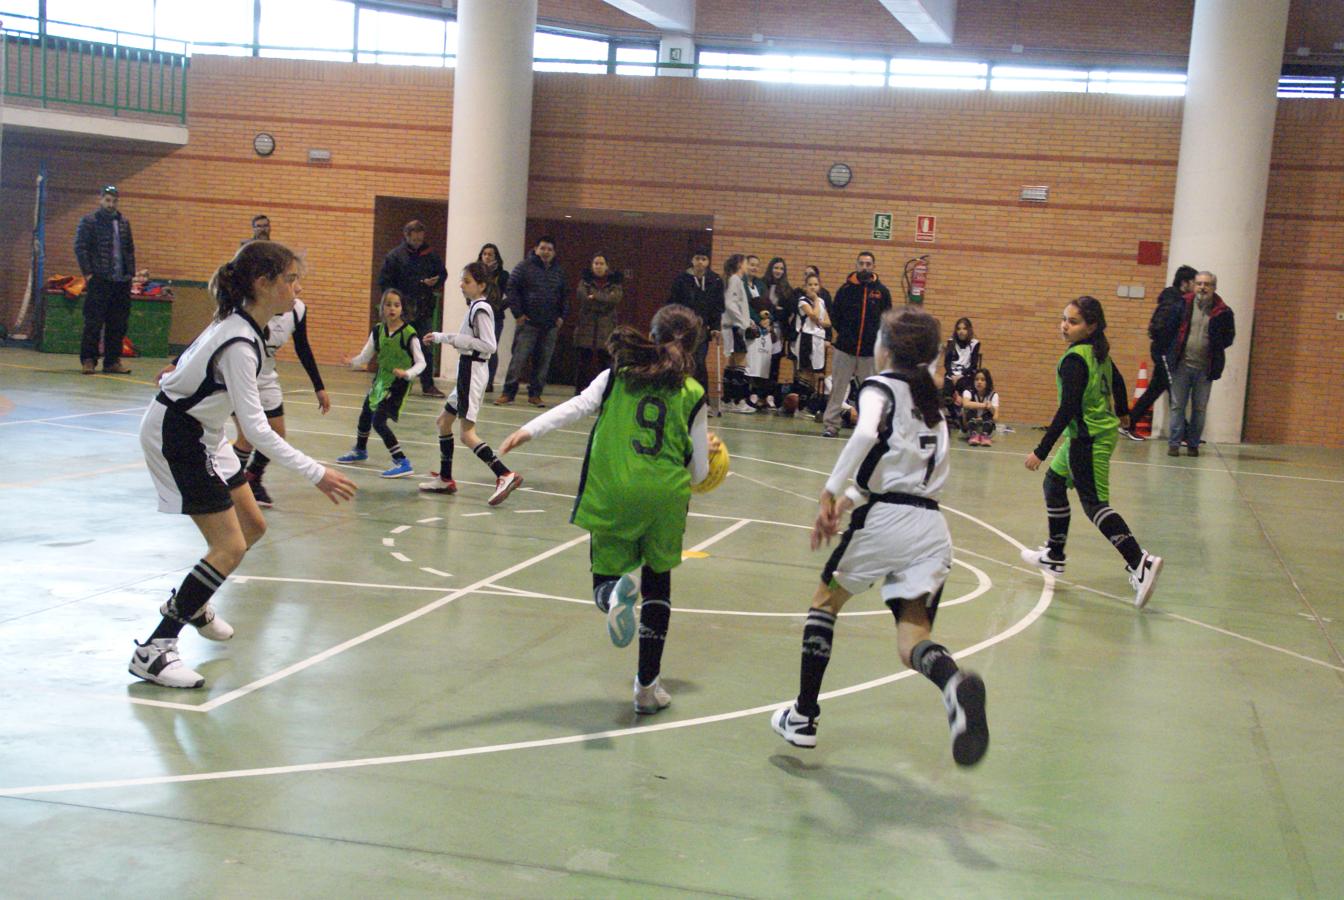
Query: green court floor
[421,699]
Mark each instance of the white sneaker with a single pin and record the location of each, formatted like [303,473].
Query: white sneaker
[651,699]
[157,662]
[1144,578]
[504,485]
[207,624]
[621,624]
[795,727]
[964,698]
[1041,559]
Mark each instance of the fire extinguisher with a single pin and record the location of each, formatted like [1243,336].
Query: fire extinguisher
[916,278]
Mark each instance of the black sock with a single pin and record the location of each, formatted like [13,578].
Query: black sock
[446,457]
[195,591]
[1113,525]
[395,449]
[242,455]
[933,662]
[361,440]
[603,585]
[258,465]
[654,615]
[1058,522]
[817,636]
[487,456]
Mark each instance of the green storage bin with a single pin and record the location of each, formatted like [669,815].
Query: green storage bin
[63,324]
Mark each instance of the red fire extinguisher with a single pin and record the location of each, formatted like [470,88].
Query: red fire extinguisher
[916,278]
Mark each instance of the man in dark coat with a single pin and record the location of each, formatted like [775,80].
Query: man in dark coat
[1195,357]
[415,270]
[701,289]
[106,254]
[1161,331]
[855,316]
[537,295]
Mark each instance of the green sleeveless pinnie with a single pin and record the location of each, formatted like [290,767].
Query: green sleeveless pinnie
[1097,427]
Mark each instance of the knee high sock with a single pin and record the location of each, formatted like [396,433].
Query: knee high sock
[933,662]
[1111,524]
[243,455]
[389,439]
[487,456]
[195,591]
[446,457]
[654,614]
[1056,513]
[818,633]
[362,429]
[258,465]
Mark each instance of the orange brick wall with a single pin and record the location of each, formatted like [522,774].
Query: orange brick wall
[754,158]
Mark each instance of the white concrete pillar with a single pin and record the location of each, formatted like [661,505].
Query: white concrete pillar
[492,140]
[1227,134]
[684,47]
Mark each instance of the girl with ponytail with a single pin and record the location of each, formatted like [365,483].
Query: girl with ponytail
[649,445]
[1092,408]
[195,471]
[891,473]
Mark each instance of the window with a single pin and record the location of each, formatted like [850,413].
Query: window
[565,47]
[799,69]
[398,39]
[1037,78]
[327,25]
[221,27]
[932,73]
[1159,84]
[645,55]
[127,22]
[1309,87]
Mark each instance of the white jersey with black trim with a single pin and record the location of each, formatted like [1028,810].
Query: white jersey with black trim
[278,332]
[216,377]
[892,450]
[476,336]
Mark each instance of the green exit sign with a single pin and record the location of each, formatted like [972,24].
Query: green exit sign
[882,226]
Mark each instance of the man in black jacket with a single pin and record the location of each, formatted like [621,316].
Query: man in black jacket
[1161,330]
[415,270]
[702,290]
[106,254]
[855,316]
[537,294]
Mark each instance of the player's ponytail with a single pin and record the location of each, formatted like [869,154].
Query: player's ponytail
[1090,309]
[912,338]
[665,358]
[232,283]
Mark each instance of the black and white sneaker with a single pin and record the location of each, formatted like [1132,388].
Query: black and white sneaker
[1144,578]
[259,492]
[207,624]
[964,698]
[1041,559]
[1131,435]
[795,727]
[157,662]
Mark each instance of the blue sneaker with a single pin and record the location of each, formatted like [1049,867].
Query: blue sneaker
[621,626]
[400,469]
[355,455]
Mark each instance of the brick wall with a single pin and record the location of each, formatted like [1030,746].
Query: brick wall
[754,158]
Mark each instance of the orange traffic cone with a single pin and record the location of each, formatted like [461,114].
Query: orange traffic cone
[128,349]
[1143,427]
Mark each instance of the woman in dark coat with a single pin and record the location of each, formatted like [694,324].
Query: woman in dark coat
[495,268]
[598,294]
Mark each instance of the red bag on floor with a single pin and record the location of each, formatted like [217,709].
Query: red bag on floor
[127,348]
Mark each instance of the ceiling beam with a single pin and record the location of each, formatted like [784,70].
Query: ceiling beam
[665,15]
[930,21]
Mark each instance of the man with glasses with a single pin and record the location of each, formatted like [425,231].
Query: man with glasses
[1195,360]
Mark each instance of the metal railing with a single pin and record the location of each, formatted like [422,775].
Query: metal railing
[61,71]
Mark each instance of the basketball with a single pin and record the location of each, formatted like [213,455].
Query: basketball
[718,466]
[790,403]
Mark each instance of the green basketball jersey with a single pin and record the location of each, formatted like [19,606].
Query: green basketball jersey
[394,352]
[1098,411]
[635,467]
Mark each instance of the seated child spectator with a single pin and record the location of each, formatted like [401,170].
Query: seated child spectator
[979,408]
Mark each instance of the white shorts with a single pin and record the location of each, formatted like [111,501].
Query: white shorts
[192,472]
[466,399]
[810,349]
[272,398]
[907,548]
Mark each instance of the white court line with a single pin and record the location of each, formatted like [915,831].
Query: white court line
[243,579]
[436,572]
[389,542]
[1249,640]
[522,511]
[139,410]
[400,557]
[134,434]
[429,521]
[474,515]
[1047,593]
[714,539]
[399,529]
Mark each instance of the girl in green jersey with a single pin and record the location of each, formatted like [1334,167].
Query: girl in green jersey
[649,445]
[1091,392]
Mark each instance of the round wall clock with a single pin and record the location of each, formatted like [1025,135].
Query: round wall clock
[839,175]
[264,144]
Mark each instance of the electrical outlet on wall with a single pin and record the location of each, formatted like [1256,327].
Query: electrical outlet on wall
[1339,316]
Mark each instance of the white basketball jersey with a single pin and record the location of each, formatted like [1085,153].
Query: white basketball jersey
[278,332]
[909,457]
[196,386]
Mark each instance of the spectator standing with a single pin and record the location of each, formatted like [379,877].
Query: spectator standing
[598,295]
[105,250]
[537,298]
[700,289]
[1161,332]
[1195,359]
[494,269]
[414,270]
[855,316]
[261,229]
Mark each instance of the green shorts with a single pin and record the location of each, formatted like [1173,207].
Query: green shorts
[1086,466]
[654,542]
